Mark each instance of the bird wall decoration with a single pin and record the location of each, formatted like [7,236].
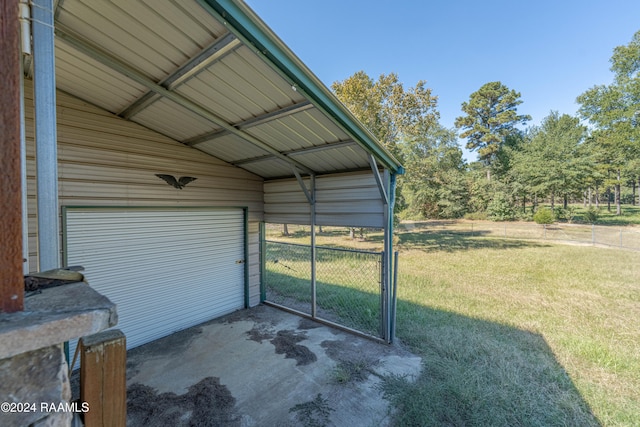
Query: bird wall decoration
[179,183]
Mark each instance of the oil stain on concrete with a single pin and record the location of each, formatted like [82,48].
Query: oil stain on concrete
[263,367]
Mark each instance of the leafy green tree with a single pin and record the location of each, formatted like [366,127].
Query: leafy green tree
[435,184]
[395,115]
[553,162]
[490,116]
[480,190]
[391,112]
[614,111]
[501,207]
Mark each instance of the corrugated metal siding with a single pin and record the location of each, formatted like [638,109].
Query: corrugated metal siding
[166,269]
[108,161]
[351,199]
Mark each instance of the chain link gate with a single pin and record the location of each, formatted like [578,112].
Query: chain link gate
[348,284]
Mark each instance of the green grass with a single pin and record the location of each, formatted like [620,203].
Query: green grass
[630,214]
[513,332]
[347,284]
[521,333]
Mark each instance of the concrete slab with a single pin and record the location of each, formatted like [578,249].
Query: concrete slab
[262,367]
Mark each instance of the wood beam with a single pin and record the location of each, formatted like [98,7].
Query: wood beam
[11,279]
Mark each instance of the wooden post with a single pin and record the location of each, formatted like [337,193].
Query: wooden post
[103,381]
[11,280]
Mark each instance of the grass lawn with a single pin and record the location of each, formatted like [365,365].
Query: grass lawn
[514,332]
[630,214]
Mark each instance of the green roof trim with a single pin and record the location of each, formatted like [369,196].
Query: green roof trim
[249,28]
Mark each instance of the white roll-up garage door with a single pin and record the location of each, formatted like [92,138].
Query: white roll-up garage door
[166,269]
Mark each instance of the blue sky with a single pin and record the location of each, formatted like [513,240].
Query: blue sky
[549,51]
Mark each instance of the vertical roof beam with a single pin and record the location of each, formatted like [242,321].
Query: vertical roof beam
[44,88]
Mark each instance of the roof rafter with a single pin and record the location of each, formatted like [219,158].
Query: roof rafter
[128,71]
[264,118]
[243,22]
[298,152]
[209,55]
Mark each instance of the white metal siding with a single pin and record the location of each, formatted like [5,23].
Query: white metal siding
[106,161]
[166,269]
[350,199]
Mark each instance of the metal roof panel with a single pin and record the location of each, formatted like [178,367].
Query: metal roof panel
[231,148]
[80,75]
[243,97]
[173,120]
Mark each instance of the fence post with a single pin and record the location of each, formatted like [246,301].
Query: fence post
[593,234]
[103,379]
[545,230]
[382,293]
[263,261]
[621,237]
[505,230]
[394,297]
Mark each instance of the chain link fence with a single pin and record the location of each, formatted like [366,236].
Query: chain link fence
[348,283]
[596,235]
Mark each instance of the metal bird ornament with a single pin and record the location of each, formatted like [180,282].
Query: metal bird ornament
[179,183]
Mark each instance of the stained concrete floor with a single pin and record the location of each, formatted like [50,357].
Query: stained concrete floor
[263,367]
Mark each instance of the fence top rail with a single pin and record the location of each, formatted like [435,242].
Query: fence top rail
[360,251]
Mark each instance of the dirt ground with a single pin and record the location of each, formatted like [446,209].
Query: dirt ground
[262,367]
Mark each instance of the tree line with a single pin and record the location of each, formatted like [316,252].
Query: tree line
[592,158]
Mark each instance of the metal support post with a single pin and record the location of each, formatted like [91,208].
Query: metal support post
[25,56]
[394,297]
[44,83]
[313,247]
[263,262]
[621,237]
[387,259]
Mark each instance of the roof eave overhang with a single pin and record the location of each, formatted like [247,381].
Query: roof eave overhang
[248,27]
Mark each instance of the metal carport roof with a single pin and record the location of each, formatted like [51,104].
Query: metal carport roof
[211,75]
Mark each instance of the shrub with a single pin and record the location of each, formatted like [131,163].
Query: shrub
[544,216]
[524,216]
[566,214]
[591,215]
[500,208]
